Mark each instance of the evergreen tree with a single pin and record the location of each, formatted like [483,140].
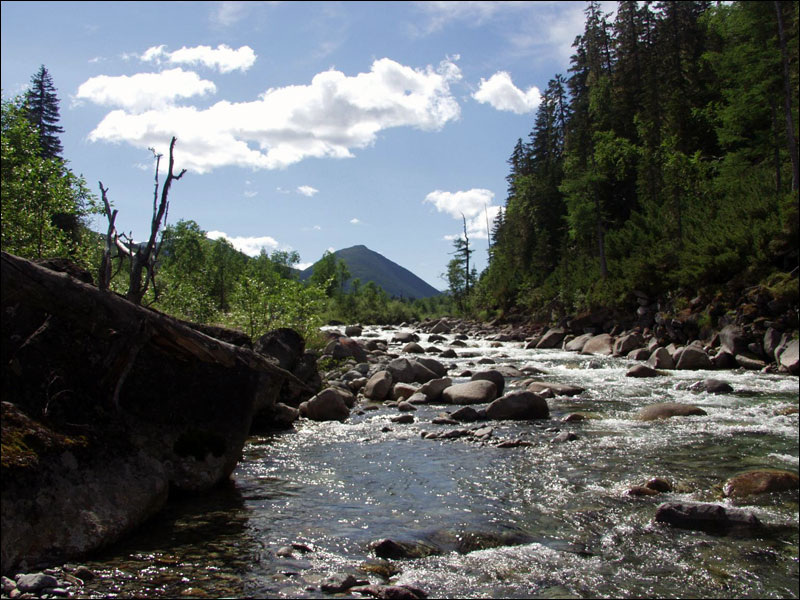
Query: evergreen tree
[41,103]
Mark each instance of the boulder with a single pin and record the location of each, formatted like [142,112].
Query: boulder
[331,404]
[665,410]
[750,362]
[440,327]
[641,371]
[403,391]
[724,360]
[599,344]
[577,344]
[556,389]
[639,354]
[627,343]
[715,386]
[732,339]
[433,365]
[710,518]
[760,481]
[491,375]
[789,358]
[137,404]
[694,358]
[344,347]
[661,359]
[422,374]
[413,348]
[551,339]
[353,331]
[433,389]
[404,337]
[472,392]
[465,414]
[378,386]
[402,370]
[520,405]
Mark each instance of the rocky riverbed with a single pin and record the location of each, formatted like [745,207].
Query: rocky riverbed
[576,479]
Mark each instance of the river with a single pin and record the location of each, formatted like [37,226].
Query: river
[335,488]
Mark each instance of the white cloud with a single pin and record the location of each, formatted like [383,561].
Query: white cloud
[328,118]
[317,228]
[355,221]
[250,194]
[251,246]
[144,91]
[303,266]
[501,93]
[223,58]
[307,190]
[474,205]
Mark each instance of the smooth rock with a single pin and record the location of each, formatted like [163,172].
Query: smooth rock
[378,386]
[661,359]
[472,392]
[551,339]
[577,344]
[694,358]
[760,481]
[710,518]
[557,389]
[665,410]
[329,405]
[465,414]
[521,405]
[602,344]
[35,582]
[789,358]
[641,371]
[491,375]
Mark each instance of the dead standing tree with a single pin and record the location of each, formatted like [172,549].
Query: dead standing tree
[142,257]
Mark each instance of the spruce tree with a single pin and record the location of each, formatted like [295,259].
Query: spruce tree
[42,110]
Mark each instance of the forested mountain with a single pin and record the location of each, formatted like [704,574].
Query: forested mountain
[664,161]
[367,265]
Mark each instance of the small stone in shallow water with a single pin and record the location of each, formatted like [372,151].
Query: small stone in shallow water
[564,436]
[341,583]
[641,490]
[34,582]
[659,485]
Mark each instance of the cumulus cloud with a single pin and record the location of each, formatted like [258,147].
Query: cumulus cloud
[252,246]
[474,205]
[328,118]
[144,91]
[223,58]
[307,190]
[355,221]
[501,93]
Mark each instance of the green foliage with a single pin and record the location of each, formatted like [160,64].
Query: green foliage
[670,169]
[43,202]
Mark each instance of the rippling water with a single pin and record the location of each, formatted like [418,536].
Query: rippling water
[337,487]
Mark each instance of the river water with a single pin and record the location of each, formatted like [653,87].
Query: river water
[338,487]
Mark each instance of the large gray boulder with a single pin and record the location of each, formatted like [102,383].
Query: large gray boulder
[520,405]
[556,389]
[433,389]
[331,404]
[694,358]
[602,344]
[472,392]
[661,359]
[789,358]
[577,344]
[402,370]
[552,339]
[432,364]
[494,376]
[378,386]
[732,339]
[627,343]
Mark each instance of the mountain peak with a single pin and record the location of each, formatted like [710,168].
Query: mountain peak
[367,265]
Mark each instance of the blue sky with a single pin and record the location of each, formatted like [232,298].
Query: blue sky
[304,126]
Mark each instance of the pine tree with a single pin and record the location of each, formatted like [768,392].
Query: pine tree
[42,107]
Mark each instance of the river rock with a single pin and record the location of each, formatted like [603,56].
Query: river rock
[433,365]
[521,405]
[331,404]
[433,389]
[760,481]
[733,339]
[472,392]
[641,371]
[440,327]
[491,375]
[716,386]
[284,416]
[724,360]
[564,436]
[340,582]
[353,331]
[710,518]
[345,347]
[378,386]
[789,358]
[422,374]
[599,344]
[404,337]
[557,389]
[392,592]
[413,348]
[665,410]
[639,354]
[577,344]
[36,582]
[551,339]
[750,362]
[403,391]
[627,343]
[465,414]
[661,359]
[694,358]
[402,370]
